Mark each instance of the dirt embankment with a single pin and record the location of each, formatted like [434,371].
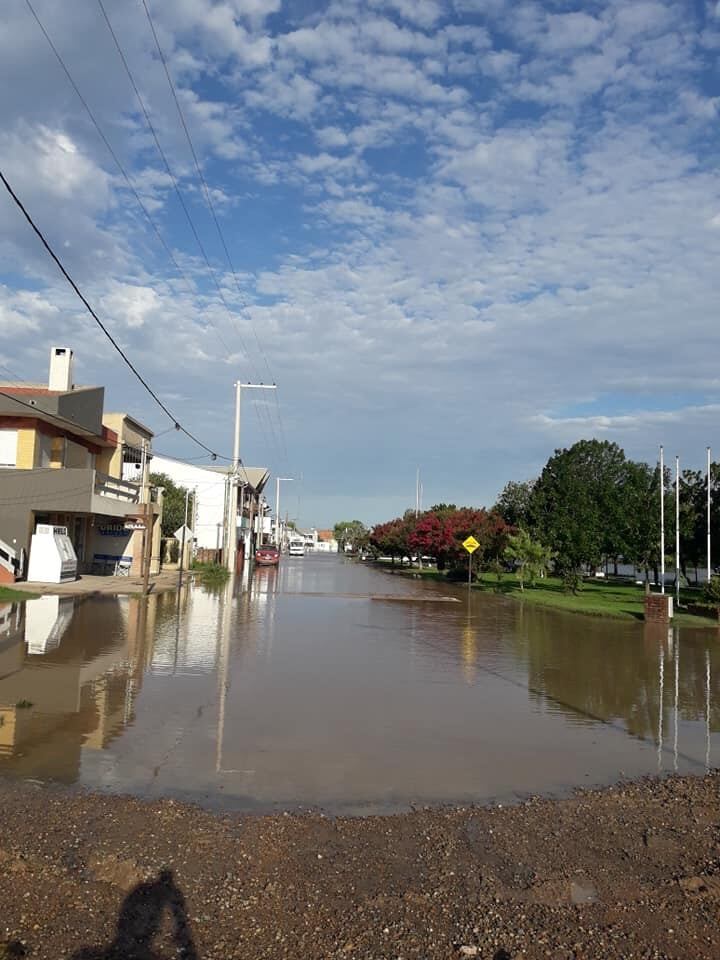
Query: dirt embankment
[629,872]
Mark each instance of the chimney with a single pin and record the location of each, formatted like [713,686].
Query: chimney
[61,363]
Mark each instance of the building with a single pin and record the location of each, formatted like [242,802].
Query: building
[70,673]
[210,492]
[325,541]
[64,462]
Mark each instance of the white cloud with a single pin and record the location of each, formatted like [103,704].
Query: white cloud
[331,137]
[132,305]
[569,31]
[21,311]
[50,160]
[425,13]
[490,219]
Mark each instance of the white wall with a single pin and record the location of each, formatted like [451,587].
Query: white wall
[326,546]
[210,499]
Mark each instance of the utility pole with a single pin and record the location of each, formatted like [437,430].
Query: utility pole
[182,539]
[278,539]
[233,505]
[147,541]
[662,522]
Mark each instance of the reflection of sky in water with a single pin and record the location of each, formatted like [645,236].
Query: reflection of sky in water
[301,688]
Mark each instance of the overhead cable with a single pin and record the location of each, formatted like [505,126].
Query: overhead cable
[172,176]
[100,323]
[213,214]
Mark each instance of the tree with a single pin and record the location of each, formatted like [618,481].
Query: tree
[577,506]
[641,527]
[432,536]
[693,519]
[442,509]
[352,533]
[513,504]
[173,503]
[391,538]
[532,558]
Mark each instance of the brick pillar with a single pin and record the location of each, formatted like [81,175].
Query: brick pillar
[658,608]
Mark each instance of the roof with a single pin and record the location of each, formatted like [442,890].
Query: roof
[24,412]
[325,535]
[37,390]
[257,477]
[133,420]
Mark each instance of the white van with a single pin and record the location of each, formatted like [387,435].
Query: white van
[296,548]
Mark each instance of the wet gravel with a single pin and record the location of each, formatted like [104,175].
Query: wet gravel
[630,871]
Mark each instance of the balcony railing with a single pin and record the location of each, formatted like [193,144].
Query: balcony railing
[106,486]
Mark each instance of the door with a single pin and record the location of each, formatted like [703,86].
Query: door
[78,538]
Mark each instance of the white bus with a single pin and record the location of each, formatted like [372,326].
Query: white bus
[296,548]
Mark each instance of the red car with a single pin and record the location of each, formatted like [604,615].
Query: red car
[267,556]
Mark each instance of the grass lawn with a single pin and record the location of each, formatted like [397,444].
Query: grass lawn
[596,597]
[7,594]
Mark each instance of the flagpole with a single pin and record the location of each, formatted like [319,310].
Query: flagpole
[709,565]
[677,531]
[662,521]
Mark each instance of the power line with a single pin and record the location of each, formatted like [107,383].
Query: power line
[154,453]
[99,322]
[32,406]
[181,200]
[120,166]
[148,216]
[172,176]
[109,147]
[211,208]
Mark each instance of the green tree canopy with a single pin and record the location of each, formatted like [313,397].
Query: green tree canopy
[513,504]
[577,503]
[352,533]
[531,557]
[173,504]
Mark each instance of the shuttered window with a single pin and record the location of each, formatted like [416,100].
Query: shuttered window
[8,448]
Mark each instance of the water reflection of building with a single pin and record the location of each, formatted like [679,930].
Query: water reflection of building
[186,640]
[69,675]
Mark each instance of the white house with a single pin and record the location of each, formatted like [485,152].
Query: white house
[209,484]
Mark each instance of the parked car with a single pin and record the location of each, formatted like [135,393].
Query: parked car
[267,556]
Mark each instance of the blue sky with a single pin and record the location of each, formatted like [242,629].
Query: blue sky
[464,233]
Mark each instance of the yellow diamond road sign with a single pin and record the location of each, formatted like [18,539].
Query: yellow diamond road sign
[471,544]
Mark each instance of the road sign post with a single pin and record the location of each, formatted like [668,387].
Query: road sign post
[471,546]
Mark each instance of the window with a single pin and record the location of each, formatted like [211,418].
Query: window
[57,452]
[8,448]
[45,450]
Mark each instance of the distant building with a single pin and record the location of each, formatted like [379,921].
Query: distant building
[64,462]
[325,541]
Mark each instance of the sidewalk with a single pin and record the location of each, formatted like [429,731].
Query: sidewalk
[89,585]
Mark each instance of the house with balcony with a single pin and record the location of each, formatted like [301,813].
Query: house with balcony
[64,462]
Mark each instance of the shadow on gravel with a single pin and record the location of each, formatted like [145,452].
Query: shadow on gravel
[140,921]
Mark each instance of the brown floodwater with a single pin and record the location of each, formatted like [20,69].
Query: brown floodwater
[328,683]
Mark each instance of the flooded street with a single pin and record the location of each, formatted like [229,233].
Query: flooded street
[329,683]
